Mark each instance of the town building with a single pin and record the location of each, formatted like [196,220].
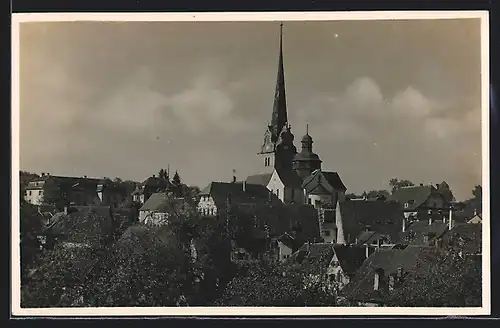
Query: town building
[149,186]
[80,191]
[417,200]
[162,207]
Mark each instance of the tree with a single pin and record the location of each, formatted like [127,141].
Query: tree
[163,174]
[396,184]
[263,284]
[30,224]
[377,194]
[177,186]
[452,280]
[445,190]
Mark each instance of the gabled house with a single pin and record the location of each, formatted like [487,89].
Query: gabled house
[334,265]
[384,271]
[322,187]
[148,187]
[286,185]
[476,219]
[259,179]
[214,198]
[286,245]
[417,200]
[161,206]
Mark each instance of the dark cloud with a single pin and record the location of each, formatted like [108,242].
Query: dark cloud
[383,99]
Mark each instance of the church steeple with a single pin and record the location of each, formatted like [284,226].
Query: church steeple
[279,116]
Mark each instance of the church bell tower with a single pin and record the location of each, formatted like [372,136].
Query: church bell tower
[277,150]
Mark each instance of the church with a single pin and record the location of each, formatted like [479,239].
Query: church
[294,176]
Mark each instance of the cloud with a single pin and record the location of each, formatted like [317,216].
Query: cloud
[409,135]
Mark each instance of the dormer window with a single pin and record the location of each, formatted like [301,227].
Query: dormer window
[406,205]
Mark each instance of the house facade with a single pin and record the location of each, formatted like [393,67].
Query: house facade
[417,200]
[148,187]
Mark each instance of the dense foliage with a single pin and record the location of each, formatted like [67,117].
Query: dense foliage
[264,284]
[452,281]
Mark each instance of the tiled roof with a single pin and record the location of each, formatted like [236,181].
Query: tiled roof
[416,232]
[259,179]
[384,217]
[314,179]
[416,195]
[220,191]
[350,258]
[467,236]
[317,257]
[287,240]
[409,259]
[157,202]
[80,182]
[83,224]
[289,178]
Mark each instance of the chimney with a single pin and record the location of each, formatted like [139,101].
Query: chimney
[421,185]
[154,175]
[234,179]
[244,186]
[450,219]
[437,186]
[85,176]
[376,281]
[43,174]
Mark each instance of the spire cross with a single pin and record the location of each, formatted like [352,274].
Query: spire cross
[307,128]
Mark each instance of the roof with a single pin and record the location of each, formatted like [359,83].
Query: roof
[369,237]
[385,217]
[316,257]
[287,240]
[82,182]
[333,179]
[416,232]
[350,257]
[409,259]
[220,191]
[290,178]
[299,221]
[156,202]
[468,237]
[416,195]
[83,224]
[259,179]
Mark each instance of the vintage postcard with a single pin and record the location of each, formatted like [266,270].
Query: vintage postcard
[250,164]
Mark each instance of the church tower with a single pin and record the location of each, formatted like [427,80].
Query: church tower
[305,162]
[277,150]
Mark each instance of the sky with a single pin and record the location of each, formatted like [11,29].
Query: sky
[383,99]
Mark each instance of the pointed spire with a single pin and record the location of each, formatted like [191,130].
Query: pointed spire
[307,129]
[279,117]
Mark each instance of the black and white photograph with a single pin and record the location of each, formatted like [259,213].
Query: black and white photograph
[250,164]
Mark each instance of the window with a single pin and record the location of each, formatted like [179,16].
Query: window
[30,192]
[406,205]
[327,233]
[309,201]
[267,161]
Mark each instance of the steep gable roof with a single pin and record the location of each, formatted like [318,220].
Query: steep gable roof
[289,178]
[350,257]
[415,196]
[410,260]
[316,178]
[259,179]
[252,193]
